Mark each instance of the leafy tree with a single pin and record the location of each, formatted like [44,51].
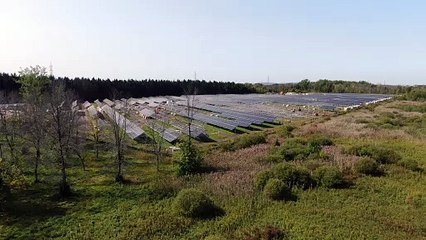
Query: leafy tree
[190,159]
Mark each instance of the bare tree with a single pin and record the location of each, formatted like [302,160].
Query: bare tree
[156,134]
[190,95]
[62,117]
[119,128]
[9,122]
[95,132]
[34,83]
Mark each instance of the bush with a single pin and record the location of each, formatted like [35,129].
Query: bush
[299,149]
[160,190]
[275,189]
[417,94]
[316,143]
[368,166]
[244,141]
[293,176]
[262,178]
[194,203]
[286,131]
[380,154]
[190,159]
[294,149]
[329,177]
[410,164]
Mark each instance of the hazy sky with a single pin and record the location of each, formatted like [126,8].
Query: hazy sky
[225,40]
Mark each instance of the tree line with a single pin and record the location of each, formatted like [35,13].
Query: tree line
[333,86]
[92,89]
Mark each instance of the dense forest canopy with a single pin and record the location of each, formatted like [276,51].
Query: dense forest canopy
[92,89]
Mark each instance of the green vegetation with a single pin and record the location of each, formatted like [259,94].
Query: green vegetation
[194,203]
[416,94]
[380,154]
[190,159]
[325,171]
[329,177]
[368,166]
[413,108]
[291,175]
[276,189]
[300,149]
[245,141]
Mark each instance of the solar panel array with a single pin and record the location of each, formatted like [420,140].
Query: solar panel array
[212,120]
[86,104]
[238,115]
[169,134]
[109,102]
[132,130]
[197,132]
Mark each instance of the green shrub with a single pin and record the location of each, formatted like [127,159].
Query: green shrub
[275,189]
[329,177]
[300,149]
[190,159]
[410,164]
[380,154]
[294,149]
[368,166]
[194,203]
[244,141]
[316,143]
[293,176]
[417,94]
[262,178]
[286,131]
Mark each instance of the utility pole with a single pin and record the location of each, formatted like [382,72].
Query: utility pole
[195,76]
[51,69]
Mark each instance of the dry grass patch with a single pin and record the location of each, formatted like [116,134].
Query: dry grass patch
[236,170]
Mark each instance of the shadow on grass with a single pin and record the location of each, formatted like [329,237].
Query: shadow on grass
[25,211]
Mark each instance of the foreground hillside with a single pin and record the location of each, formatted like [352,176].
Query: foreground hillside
[383,199]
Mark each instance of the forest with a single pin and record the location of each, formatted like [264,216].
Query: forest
[92,89]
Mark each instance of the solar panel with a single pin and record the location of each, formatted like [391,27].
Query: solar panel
[132,130]
[169,134]
[109,102]
[197,132]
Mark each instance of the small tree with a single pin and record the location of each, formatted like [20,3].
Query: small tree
[119,127]
[157,140]
[190,159]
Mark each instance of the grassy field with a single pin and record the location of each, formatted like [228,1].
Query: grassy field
[390,206]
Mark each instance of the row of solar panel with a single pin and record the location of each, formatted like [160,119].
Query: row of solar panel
[196,131]
[243,119]
[169,134]
[134,131]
